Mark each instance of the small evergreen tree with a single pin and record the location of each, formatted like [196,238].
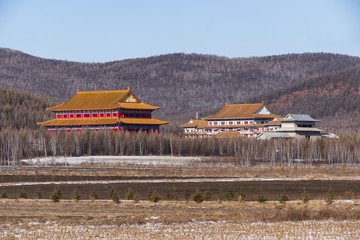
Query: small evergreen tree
[154,197]
[305,198]
[37,193]
[114,195]
[170,195]
[130,195]
[283,198]
[241,197]
[22,194]
[197,196]
[220,195]
[330,196]
[229,194]
[207,195]
[261,197]
[56,195]
[76,195]
[93,195]
[112,191]
[4,194]
[187,195]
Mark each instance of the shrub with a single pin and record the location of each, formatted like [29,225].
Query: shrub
[229,194]
[330,196]
[305,198]
[207,195]
[283,198]
[112,191]
[93,195]
[4,194]
[241,197]
[261,197]
[187,195]
[154,197]
[114,195]
[56,195]
[76,195]
[170,195]
[37,193]
[22,194]
[130,195]
[197,197]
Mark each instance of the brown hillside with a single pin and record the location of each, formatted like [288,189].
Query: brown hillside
[180,84]
[334,98]
[19,109]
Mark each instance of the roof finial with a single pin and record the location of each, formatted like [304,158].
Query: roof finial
[128,88]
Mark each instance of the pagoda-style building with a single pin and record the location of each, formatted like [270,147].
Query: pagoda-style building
[234,120]
[116,110]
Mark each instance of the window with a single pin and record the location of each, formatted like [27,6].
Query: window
[222,123]
[246,122]
[95,115]
[86,115]
[230,123]
[65,116]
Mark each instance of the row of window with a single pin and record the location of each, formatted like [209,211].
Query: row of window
[228,129]
[102,115]
[103,110]
[304,125]
[235,123]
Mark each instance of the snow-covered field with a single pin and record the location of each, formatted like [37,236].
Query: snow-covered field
[136,160]
[192,230]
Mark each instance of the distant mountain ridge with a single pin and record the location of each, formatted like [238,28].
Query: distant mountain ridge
[181,84]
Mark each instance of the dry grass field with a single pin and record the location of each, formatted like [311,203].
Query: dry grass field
[29,219]
[216,218]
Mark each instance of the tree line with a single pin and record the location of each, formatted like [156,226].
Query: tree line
[26,143]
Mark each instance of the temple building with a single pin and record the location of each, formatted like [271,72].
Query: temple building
[244,120]
[115,110]
[297,126]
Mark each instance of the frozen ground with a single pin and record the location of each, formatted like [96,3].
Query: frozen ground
[192,180]
[191,230]
[137,160]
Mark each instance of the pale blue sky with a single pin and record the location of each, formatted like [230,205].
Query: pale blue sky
[107,30]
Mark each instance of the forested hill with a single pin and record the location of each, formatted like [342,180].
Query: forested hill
[333,97]
[180,84]
[20,109]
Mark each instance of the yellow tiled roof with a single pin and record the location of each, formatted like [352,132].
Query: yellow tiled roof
[80,122]
[237,111]
[91,100]
[195,123]
[229,135]
[144,121]
[140,105]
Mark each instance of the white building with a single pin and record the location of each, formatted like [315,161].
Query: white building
[248,120]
